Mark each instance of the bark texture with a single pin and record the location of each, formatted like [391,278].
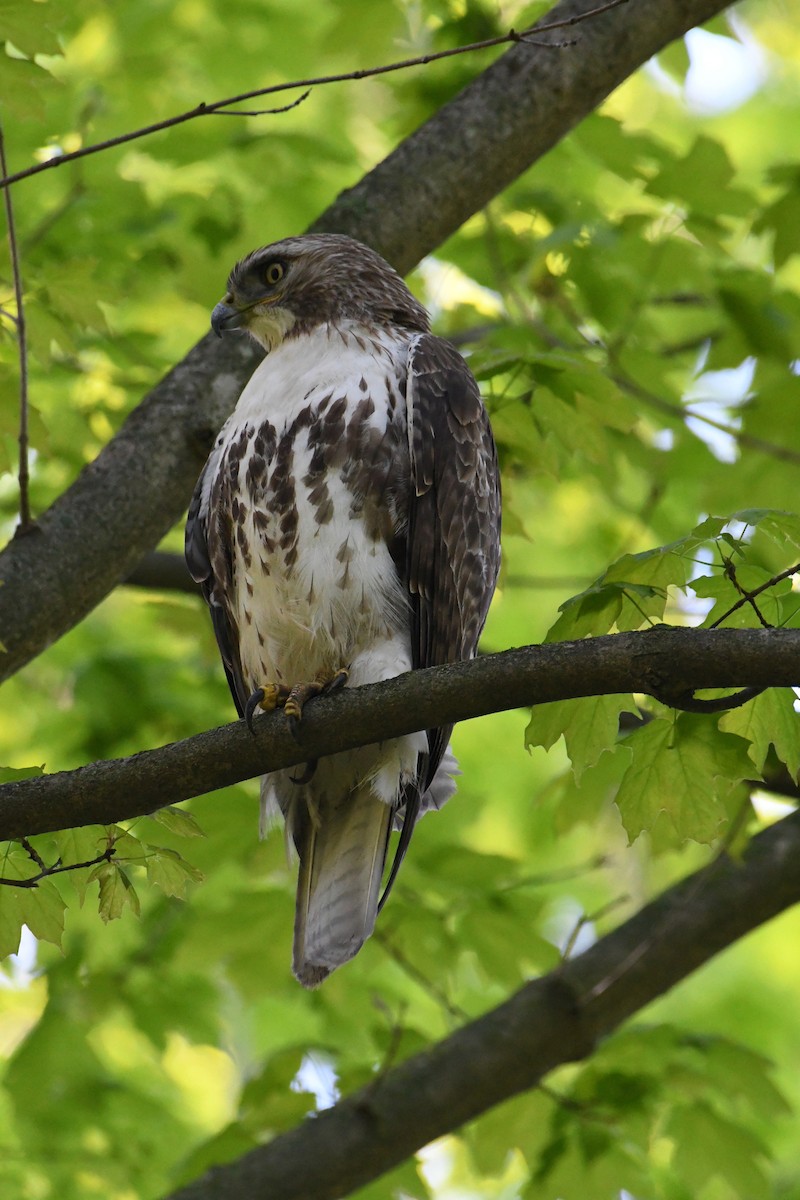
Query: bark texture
[667,662]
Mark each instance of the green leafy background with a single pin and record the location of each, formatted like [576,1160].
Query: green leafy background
[632,309]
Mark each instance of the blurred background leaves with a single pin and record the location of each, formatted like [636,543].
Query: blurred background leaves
[632,308]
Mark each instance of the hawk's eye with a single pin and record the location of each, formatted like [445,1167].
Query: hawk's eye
[274,273]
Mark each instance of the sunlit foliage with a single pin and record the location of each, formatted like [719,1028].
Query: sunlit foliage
[632,309]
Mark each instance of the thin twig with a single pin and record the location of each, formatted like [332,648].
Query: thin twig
[681,414]
[22,343]
[33,854]
[56,869]
[559,875]
[686,701]
[749,596]
[729,571]
[661,931]
[204,110]
[419,977]
[262,112]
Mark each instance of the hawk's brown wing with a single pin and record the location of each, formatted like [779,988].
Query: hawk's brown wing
[452,546]
[215,577]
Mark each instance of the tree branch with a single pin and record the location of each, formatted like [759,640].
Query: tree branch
[163,572]
[557,1019]
[660,660]
[123,503]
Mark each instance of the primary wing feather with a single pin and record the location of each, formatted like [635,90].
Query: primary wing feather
[213,577]
[452,549]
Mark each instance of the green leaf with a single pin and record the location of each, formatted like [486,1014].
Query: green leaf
[80,845]
[783,219]
[11,774]
[769,720]
[24,86]
[739,1073]
[710,1146]
[683,768]
[758,315]
[271,1101]
[701,180]
[589,727]
[179,821]
[780,527]
[116,891]
[167,870]
[10,921]
[727,597]
[403,1183]
[42,910]
[232,1142]
[30,26]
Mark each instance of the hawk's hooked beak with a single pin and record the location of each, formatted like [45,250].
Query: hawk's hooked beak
[225,317]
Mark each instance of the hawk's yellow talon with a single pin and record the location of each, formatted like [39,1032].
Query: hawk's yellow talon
[275,696]
[269,697]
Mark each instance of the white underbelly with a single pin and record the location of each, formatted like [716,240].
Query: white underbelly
[323,603]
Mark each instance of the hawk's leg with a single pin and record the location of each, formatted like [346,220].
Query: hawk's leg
[292,699]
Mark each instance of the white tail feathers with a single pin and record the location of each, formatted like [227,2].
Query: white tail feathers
[342,855]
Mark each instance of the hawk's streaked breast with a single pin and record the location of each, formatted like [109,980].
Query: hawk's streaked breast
[307,501]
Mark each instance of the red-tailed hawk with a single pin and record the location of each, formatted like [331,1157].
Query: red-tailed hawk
[345,529]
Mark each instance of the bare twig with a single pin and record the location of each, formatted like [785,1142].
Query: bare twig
[24,503]
[679,413]
[729,571]
[693,889]
[419,977]
[748,597]
[262,112]
[217,106]
[57,868]
[33,853]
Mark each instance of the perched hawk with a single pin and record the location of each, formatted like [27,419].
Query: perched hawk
[344,529]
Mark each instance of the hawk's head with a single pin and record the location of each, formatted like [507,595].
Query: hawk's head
[290,287]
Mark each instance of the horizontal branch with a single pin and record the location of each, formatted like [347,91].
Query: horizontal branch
[663,661]
[164,572]
[124,502]
[557,1019]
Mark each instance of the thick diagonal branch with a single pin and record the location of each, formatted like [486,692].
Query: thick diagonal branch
[124,502]
[554,1020]
[660,660]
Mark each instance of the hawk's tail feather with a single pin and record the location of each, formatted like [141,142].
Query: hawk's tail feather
[410,814]
[342,855]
